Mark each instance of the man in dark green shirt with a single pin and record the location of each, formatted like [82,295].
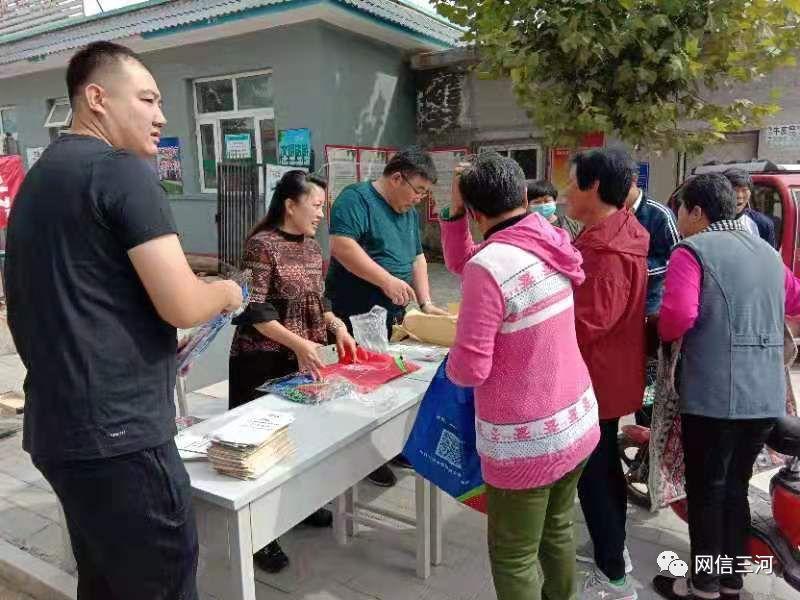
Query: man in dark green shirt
[376,253]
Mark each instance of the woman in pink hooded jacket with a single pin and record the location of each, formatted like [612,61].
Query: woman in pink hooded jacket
[536,414]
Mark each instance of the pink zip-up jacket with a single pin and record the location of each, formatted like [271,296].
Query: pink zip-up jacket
[536,413]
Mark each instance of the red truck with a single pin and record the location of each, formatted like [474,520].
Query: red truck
[776,193]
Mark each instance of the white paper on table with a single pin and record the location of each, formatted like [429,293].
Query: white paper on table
[186,441]
[424,353]
[253,428]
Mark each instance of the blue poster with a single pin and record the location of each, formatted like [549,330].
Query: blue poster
[294,147]
[644,175]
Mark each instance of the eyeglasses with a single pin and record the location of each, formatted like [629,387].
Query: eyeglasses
[421,193]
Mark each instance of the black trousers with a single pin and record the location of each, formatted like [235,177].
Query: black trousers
[248,371]
[604,501]
[719,456]
[131,522]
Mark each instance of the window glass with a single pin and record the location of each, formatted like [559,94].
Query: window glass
[208,156]
[215,96]
[767,200]
[254,91]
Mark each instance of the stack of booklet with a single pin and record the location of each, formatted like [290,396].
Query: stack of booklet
[251,444]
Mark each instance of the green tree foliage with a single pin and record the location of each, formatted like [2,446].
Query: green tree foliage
[643,70]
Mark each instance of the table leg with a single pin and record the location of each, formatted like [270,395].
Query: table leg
[225,568]
[180,390]
[423,508]
[340,520]
[436,525]
[350,501]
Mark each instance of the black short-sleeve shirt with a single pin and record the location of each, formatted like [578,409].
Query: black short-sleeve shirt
[100,360]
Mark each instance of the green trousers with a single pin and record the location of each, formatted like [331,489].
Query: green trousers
[531,540]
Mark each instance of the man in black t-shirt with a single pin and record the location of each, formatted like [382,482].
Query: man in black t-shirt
[96,285]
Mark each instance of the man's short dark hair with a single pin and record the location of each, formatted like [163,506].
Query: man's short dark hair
[739,178]
[412,161]
[88,60]
[713,193]
[493,184]
[611,167]
[541,187]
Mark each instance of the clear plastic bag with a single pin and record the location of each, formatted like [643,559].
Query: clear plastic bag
[369,330]
[380,401]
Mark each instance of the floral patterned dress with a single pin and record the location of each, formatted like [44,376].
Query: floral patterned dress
[287,286]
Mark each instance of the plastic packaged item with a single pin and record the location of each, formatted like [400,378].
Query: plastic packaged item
[369,330]
[304,389]
[368,371]
[199,339]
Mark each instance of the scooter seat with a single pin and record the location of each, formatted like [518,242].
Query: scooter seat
[785,436]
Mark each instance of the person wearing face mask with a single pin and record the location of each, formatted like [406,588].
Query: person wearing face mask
[288,317]
[542,199]
[97,283]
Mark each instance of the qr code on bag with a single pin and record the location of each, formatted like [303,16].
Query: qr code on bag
[450,448]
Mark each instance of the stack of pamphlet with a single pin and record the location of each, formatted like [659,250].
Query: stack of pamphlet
[251,444]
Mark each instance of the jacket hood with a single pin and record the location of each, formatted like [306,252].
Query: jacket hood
[621,232]
[551,244]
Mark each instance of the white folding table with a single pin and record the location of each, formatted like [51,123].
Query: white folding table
[338,444]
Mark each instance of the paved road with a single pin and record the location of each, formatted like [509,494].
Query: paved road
[7,593]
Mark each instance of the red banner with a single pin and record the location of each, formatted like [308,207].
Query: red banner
[560,159]
[11,176]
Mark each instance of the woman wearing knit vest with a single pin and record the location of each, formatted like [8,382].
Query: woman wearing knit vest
[536,414]
[726,294]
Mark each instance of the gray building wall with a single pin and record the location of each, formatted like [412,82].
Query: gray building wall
[346,88]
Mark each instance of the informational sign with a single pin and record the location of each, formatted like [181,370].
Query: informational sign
[643,182]
[168,161]
[342,169]
[783,136]
[273,174]
[11,175]
[372,162]
[237,146]
[560,159]
[446,161]
[33,155]
[350,164]
[294,147]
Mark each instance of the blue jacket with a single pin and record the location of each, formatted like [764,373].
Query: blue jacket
[766,228]
[660,224]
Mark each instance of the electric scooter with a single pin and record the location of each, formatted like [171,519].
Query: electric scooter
[775,523]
